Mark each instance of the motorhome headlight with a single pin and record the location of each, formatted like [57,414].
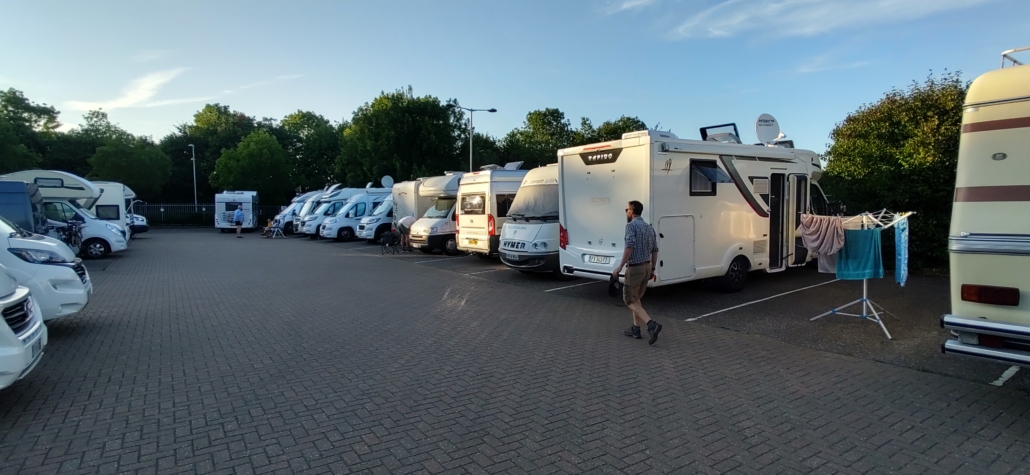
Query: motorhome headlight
[309,218]
[373,220]
[330,221]
[113,228]
[39,256]
[432,230]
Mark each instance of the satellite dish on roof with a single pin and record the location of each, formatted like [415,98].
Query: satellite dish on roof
[387,181]
[767,129]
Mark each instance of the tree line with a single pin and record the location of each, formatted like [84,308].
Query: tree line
[397,134]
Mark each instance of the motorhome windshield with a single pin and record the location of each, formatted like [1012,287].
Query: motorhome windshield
[535,202]
[308,205]
[321,209]
[383,207]
[84,210]
[441,208]
[8,228]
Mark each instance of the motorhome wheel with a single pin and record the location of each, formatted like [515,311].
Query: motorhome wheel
[96,248]
[345,234]
[451,247]
[736,275]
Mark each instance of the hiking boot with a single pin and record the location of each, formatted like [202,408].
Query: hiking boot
[653,329]
[632,332]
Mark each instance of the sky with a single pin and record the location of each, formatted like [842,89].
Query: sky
[675,64]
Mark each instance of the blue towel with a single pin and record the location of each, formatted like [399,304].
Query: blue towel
[901,251]
[860,258]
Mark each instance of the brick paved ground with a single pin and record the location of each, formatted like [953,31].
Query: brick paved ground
[205,353]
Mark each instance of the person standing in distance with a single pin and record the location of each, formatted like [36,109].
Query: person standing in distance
[404,226]
[237,219]
[639,258]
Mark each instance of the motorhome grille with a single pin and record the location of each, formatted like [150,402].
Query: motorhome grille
[81,271]
[761,247]
[17,316]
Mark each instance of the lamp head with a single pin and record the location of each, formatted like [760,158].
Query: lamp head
[492,110]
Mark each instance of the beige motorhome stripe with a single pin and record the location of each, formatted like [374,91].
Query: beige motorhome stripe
[974,194]
[1002,124]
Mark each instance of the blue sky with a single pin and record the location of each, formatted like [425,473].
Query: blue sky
[680,63]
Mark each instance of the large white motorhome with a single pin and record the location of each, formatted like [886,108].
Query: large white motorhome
[720,208]
[529,237]
[373,226]
[989,241]
[483,200]
[286,216]
[435,230]
[67,199]
[327,205]
[344,224]
[310,205]
[114,202]
[408,199]
[226,203]
[23,335]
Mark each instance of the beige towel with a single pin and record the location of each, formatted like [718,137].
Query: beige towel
[822,235]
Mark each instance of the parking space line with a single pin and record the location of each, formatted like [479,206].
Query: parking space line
[575,285]
[440,259]
[485,271]
[1005,376]
[757,301]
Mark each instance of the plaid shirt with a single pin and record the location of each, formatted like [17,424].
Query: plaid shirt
[640,237]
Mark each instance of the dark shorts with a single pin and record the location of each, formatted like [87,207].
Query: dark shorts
[238,223]
[403,229]
[635,283]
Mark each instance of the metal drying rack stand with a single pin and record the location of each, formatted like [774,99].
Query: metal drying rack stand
[882,219]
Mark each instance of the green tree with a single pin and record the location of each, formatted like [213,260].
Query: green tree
[215,128]
[314,145]
[400,135]
[24,129]
[613,129]
[133,161]
[14,155]
[537,142]
[259,163]
[900,153]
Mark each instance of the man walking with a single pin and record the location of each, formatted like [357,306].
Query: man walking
[639,258]
[237,219]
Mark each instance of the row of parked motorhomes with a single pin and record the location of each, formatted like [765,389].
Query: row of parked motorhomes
[47,218]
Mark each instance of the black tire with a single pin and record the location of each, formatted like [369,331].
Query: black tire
[736,276]
[95,248]
[345,234]
[313,236]
[485,256]
[450,247]
[426,250]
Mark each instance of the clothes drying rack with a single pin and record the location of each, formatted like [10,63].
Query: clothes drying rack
[869,220]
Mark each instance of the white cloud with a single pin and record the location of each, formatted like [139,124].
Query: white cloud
[266,82]
[150,55]
[827,63]
[630,5]
[137,94]
[779,18]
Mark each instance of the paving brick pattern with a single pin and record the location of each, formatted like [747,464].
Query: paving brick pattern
[202,353]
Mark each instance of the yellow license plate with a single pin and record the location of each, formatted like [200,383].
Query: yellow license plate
[473,241]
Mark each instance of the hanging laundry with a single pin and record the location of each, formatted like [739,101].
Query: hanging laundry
[861,257]
[901,251]
[823,236]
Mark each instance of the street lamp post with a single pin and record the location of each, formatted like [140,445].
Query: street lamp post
[193,151]
[471,136]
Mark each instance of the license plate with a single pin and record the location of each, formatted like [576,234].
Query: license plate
[599,259]
[511,257]
[473,241]
[37,347]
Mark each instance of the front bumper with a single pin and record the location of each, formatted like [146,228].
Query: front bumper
[482,245]
[366,231]
[984,339]
[118,245]
[309,228]
[61,290]
[432,241]
[20,354]
[139,228]
[327,232]
[530,262]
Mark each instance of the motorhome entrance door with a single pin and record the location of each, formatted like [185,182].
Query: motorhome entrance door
[778,199]
[675,247]
[798,206]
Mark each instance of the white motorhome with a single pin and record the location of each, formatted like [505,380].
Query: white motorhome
[287,215]
[408,199]
[720,208]
[989,241]
[436,229]
[344,224]
[310,205]
[114,202]
[483,200]
[66,199]
[48,268]
[226,203]
[327,205]
[379,221]
[529,237]
[23,336]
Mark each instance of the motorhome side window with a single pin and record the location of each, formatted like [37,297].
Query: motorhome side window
[819,204]
[704,175]
[59,212]
[473,204]
[108,212]
[503,203]
[359,210]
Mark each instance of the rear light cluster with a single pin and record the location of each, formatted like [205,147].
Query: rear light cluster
[457,224]
[1007,296]
[491,228]
[563,237]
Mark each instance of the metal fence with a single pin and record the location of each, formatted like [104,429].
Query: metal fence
[203,214]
